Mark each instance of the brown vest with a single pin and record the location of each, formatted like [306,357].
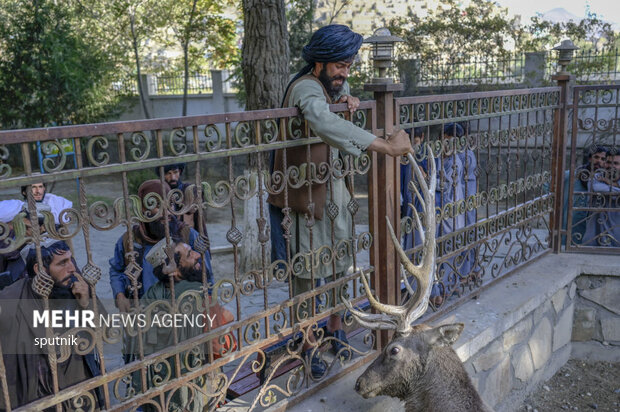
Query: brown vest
[298,199]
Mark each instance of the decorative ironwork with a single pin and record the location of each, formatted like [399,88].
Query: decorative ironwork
[591,219]
[271,320]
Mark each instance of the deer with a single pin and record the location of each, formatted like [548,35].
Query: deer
[418,365]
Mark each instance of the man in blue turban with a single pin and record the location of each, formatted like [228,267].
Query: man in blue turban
[326,228]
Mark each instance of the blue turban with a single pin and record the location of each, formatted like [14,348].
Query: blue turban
[331,43]
[453,129]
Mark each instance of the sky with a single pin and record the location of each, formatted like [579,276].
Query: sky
[608,10]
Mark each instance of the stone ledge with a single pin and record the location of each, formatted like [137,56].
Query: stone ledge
[520,294]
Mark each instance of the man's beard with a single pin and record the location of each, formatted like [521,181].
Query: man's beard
[191,274]
[61,291]
[156,230]
[173,184]
[328,83]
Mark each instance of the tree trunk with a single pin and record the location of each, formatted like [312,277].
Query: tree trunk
[185,77]
[265,55]
[185,46]
[265,64]
[141,91]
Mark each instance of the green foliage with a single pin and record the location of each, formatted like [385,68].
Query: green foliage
[49,73]
[199,26]
[361,74]
[481,28]
[300,15]
[137,177]
[589,33]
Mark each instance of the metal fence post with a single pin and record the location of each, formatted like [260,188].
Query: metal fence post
[384,181]
[560,131]
[384,200]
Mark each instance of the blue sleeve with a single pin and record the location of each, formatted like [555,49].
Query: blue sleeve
[598,186]
[405,193]
[193,235]
[118,279]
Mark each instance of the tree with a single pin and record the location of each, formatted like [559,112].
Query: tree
[481,28]
[265,53]
[300,16]
[265,65]
[200,29]
[128,25]
[49,73]
[588,33]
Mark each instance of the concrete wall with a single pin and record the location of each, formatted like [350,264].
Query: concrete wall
[220,101]
[531,351]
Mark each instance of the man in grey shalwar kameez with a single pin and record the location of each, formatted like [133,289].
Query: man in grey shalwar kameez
[329,54]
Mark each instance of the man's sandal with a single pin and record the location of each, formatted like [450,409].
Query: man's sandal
[340,343]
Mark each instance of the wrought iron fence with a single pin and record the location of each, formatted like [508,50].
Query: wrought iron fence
[493,211]
[173,84]
[472,70]
[493,201]
[270,323]
[167,84]
[595,66]
[127,86]
[591,201]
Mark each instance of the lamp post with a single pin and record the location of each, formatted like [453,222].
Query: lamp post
[565,54]
[563,78]
[384,186]
[382,43]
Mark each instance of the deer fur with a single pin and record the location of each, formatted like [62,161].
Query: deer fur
[418,366]
[423,370]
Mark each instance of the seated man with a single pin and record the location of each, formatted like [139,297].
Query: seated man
[30,376]
[12,266]
[172,176]
[603,228]
[183,267]
[10,208]
[145,235]
[594,163]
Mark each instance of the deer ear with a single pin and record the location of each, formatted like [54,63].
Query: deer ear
[445,335]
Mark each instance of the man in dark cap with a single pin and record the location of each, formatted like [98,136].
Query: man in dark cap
[329,54]
[172,176]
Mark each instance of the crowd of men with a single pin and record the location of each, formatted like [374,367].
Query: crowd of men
[172,250]
[596,184]
[23,286]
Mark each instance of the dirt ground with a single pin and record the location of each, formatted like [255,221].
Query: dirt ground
[579,386]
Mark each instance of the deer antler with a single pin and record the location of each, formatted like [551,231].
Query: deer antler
[400,318]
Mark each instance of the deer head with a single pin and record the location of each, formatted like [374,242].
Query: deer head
[418,366]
